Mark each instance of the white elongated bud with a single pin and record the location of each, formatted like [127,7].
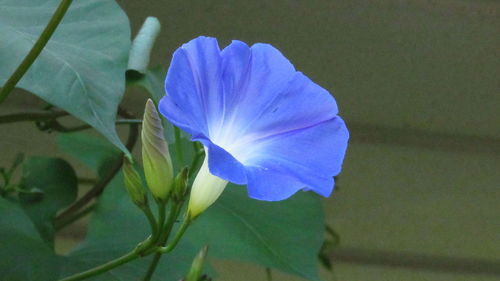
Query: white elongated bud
[206,189]
[155,155]
[143,44]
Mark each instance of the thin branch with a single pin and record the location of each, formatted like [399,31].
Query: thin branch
[61,224]
[94,192]
[98,188]
[269,274]
[89,181]
[44,115]
[57,126]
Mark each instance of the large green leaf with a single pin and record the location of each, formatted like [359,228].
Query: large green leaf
[82,68]
[23,254]
[285,235]
[92,151]
[57,182]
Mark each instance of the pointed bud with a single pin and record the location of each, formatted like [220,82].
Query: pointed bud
[206,189]
[142,45]
[181,185]
[133,183]
[197,265]
[155,155]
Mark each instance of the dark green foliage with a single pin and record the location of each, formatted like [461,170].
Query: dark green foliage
[56,186]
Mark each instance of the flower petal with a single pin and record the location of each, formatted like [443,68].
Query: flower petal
[193,86]
[223,164]
[252,77]
[264,95]
[301,104]
[271,185]
[280,165]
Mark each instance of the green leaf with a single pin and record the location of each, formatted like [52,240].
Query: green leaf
[57,182]
[285,235]
[152,82]
[23,254]
[92,151]
[82,68]
[116,227]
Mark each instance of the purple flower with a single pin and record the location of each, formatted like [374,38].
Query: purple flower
[263,124]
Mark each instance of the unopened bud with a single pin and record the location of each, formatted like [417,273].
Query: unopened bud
[206,189]
[155,155]
[197,265]
[181,185]
[133,183]
[142,45]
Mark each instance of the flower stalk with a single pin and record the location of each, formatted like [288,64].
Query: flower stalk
[177,238]
[134,254]
[165,233]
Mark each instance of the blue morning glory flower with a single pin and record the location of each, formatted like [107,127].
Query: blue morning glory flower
[263,124]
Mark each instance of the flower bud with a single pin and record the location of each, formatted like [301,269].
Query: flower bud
[133,183]
[155,155]
[197,265]
[181,185]
[142,45]
[206,189]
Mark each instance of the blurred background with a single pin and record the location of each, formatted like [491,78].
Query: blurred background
[418,84]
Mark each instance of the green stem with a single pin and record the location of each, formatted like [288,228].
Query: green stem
[177,237]
[178,146]
[152,221]
[35,50]
[165,233]
[152,267]
[198,153]
[103,268]
[161,219]
[172,217]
